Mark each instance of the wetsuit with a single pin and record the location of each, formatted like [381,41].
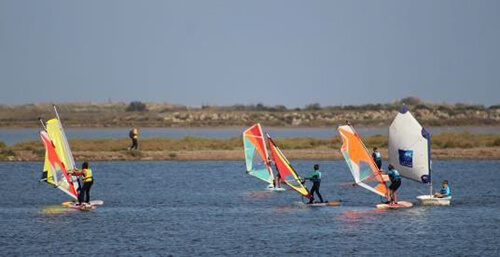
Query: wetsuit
[277,180]
[316,179]
[88,181]
[395,179]
[377,158]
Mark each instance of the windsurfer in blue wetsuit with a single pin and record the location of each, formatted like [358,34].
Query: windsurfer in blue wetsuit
[445,190]
[316,179]
[377,157]
[395,179]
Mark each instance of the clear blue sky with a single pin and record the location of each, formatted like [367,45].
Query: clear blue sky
[272,52]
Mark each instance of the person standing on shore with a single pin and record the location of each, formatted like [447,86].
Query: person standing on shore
[134,134]
[377,158]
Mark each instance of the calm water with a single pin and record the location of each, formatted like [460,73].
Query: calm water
[213,208]
[15,135]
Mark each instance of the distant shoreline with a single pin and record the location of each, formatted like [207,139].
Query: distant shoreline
[291,127]
[444,146]
[151,114]
[481,153]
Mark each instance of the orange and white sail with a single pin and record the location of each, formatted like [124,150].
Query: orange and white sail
[363,168]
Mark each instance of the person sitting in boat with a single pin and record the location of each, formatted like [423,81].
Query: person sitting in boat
[445,190]
[88,181]
[395,179]
[316,179]
[377,158]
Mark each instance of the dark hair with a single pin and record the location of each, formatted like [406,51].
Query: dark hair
[375,148]
[390,167]
[85,165]
[445,181]
[316,166]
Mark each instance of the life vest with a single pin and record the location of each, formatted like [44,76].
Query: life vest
[87,175]
[316,177]
[445,190]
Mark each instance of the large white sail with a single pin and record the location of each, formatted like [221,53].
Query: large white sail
[410,147]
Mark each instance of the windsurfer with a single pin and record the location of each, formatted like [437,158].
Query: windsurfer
[316,179]
[88,181]
[277,178]
[445,190]
[395,179]
[377,158]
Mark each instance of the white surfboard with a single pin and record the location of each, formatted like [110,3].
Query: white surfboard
[399,205]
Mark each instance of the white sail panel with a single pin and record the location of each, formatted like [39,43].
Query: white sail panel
[409,147]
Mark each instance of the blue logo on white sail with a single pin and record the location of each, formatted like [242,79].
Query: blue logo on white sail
[406,158]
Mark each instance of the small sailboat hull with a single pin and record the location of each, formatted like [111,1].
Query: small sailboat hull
[399,205]
[430,200]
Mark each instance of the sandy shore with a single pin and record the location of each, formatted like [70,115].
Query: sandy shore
[480,153]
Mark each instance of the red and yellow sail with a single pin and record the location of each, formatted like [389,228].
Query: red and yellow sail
[55,169]
[287,173]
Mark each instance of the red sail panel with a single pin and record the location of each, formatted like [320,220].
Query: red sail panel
[287,173]
[58,170]
[254,134]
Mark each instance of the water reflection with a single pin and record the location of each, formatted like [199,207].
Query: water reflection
[56,209]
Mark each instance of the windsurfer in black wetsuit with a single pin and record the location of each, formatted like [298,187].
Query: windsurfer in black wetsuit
[277,178]
[316,179]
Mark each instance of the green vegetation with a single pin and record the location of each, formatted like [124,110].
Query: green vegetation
[136,106]
[439,141]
